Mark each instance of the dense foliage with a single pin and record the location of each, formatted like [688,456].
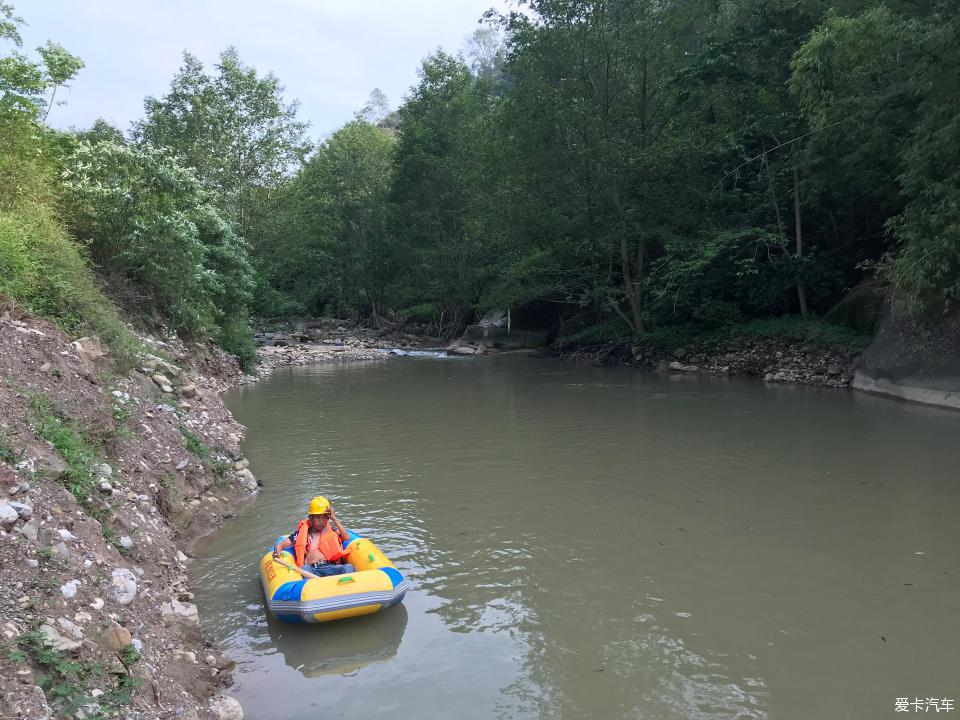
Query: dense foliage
[636,164]
[609,168]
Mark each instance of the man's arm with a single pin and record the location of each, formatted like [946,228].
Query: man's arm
[341,530]
[281,546]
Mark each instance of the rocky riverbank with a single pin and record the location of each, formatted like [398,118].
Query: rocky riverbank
[324,340]
[105,482]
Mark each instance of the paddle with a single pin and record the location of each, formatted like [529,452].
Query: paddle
[288,566]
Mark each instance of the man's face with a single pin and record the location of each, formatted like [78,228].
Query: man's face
[317,521]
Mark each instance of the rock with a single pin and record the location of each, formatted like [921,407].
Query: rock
[175,612]
[126,541]
[82,617]
[137,645]
[8,515]
[680,367]
[45,368]
[166,388]
[190,657]
[833,370]
[210,660]
[9,630]
[189,390]
[247,479]
[66,535]
[50,637]
[105,486]
[124,586]
[29,530]
[679,353]
[182,465]
[62,550]
[89,348]
[115,638]
[160,380]
[103,470]
[97,604]
[69,589]
[23,510]
[768,377]
[70,628]
[181,558]
[31,563]
[226,708]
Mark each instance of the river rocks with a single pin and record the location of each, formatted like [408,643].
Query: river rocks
[24,510]
[680,367]
[8,515]
[29,530]
[70,628]
[226,708]
[106,487]
[175,612]
[189,390]
[124,586]
[126,542]
[247,479]
[115,638]
[52,638]
[70,588]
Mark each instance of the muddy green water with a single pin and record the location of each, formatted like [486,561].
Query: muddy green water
[599,543]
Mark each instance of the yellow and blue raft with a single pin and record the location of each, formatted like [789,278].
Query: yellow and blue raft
[375,585]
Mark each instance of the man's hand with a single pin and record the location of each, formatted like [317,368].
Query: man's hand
[277,552]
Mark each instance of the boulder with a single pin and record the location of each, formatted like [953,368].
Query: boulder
[189,390]
[89,348]
[175,612]
[247,479]
[226,708]
[160,380]
[23,510]
[29,530]
[52,638]
[115,638]
[680,367]
[8,515]
[124,586]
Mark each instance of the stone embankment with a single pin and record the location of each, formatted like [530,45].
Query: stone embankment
[105,482]
[774,360]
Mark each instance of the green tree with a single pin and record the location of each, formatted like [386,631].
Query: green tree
[234,129]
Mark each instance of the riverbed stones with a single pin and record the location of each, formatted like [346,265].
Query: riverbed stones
[226,708]
[52,638]
[115,638]
[124,586]
[176,612]
[69,589]
[8,515]
[247,479]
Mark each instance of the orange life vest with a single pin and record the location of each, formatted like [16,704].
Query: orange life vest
[329,542]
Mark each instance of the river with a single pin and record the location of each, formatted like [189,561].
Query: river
[599,543]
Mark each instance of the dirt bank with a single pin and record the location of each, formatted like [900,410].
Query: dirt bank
[105,481]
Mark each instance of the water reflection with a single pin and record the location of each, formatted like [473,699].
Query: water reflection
[339,648]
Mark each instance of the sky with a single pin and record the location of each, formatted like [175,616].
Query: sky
[328,54]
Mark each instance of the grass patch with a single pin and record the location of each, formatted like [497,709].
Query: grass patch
[66,682]
[46,272]
[8,453]
[194,444]
[72,446]
[80,454]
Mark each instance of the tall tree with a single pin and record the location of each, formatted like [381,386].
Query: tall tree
[233,128]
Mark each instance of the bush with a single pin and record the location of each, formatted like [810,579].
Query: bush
[46,272]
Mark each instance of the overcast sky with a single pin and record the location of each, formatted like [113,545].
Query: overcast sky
[329,54]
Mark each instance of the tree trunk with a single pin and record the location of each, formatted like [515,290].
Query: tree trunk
[801,292]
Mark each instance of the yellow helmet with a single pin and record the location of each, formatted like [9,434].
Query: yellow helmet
[318,506]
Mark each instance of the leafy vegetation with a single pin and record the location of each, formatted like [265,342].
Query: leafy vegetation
[610,169]
[66,682]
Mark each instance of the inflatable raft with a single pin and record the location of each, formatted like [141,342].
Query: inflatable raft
[375,585]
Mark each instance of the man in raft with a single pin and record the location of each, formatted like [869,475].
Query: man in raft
[318,541]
